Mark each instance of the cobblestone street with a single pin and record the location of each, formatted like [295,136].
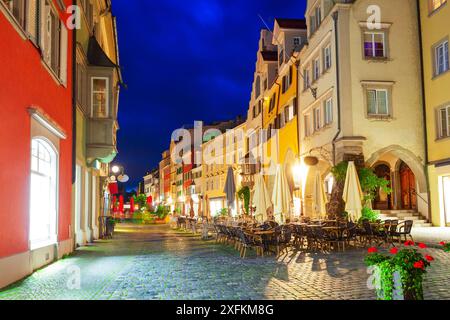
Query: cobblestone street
[155,262]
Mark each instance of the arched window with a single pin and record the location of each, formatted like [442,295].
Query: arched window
[43,194]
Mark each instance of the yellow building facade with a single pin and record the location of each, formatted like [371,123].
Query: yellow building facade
[434,18]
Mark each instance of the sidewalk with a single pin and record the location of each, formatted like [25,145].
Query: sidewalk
[431,236]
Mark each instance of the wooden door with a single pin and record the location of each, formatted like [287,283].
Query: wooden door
[408,188]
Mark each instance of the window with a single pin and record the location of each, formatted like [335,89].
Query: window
[272,103]
[315,20]
[287,80]
[377,102]
[281,56]
[328,111]
[307,120]
[257,87]
[100,96]
[289,113]
[441,58]
[317,120]
[51,38]
[436,4]
[327,58]
[43,194]
[306,80]
[444,122]
[297,43]
[446,197]
[374,45]
[316,69]
[18,10]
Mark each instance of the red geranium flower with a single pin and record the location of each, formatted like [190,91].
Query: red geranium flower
[394,250]
[422,245]
[419,265]
[409,243]
[372,250]
[442,243]
[429,258]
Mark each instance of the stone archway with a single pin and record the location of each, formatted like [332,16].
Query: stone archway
[408,180]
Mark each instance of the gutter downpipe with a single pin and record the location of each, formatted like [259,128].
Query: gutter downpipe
[335,19]
[424,115]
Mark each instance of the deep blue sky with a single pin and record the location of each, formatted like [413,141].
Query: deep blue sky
[185,60]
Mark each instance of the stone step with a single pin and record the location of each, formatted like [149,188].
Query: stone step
[397,211]
[422,225]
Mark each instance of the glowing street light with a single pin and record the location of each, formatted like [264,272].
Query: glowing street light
[115,169]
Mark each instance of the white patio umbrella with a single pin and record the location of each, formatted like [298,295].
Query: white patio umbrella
[261,199]
[281,196]
[352,193]
[319,197]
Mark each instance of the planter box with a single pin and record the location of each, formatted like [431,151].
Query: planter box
[399,290]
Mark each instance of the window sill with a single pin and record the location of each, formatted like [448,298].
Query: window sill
[52,73]
[379,117]
[35,245]
[377,60]
[435,11]
[443,139]
[442,74]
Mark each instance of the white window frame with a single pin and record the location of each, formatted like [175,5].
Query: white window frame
[444,132]
[107,96]
[306,79]
[328,112]
[317,119]
[373,33]
[327,57]
[316,69]
[307,122]
[54,186]
[441,48]
[388,107]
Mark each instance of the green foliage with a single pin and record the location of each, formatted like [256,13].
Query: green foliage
[222,212]
[161,212]
[445,246]
[244,194]
[370,182]
[339,171]
[369,214]
[411,265]
[141,200]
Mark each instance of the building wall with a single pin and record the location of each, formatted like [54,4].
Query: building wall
[26,82]
[437,94]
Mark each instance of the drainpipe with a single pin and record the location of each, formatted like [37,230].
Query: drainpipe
[338,93]
[424,108]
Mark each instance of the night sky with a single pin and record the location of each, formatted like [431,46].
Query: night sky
[185,60]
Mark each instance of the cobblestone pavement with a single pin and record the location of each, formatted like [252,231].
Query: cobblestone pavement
[155,262]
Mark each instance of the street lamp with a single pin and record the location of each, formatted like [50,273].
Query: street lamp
[115,169]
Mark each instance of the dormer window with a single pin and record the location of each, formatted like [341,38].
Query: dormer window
[100,94]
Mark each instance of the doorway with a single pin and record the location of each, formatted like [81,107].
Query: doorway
[408,188]
[383,201]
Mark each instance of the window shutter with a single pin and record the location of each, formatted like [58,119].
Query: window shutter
[382,102]
[295,113]
[32,20]
[63,54]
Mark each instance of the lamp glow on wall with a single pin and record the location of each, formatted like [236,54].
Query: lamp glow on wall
[300,174]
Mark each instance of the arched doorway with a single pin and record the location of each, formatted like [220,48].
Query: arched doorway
[383,201]
[408,187]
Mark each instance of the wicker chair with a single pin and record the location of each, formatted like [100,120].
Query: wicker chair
[404,229]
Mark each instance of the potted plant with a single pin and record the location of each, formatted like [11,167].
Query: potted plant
[445,246]
[399,274]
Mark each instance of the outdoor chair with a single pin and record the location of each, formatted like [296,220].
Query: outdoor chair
[285,238]
[299,236]
[249,242]
[404,230]
[367,234]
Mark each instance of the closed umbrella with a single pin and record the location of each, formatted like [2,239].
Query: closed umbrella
[319,196]
[230,188]
[261,199]
[352,194]
[281,196]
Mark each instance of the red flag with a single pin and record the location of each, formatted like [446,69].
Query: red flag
[113,188]
[121,204]
[132,205]
[114,200]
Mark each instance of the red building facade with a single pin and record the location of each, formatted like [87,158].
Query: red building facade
[36,135]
